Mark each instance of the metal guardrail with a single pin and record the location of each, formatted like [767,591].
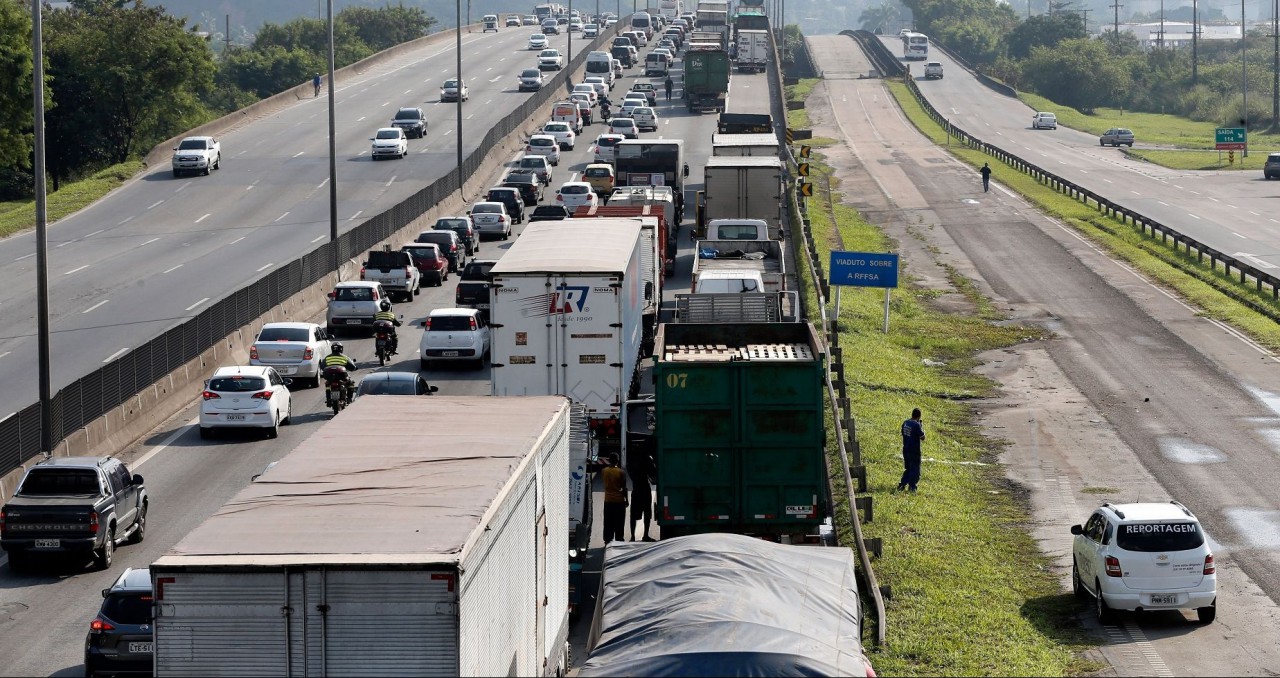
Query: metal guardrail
[841,414]
[91,396]
[876,50]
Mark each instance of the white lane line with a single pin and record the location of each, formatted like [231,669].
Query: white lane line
[385,104]
[1084,172]
[358,213]
[1214,199]
[447,132]
[361,118]
[197,303]
[1134,192]
[1271,220]
[488,102]
[1234,207]
[171,270]
[249,187]
[95,305]
[1109,181]
[155,204]
[1193,216]
[298,153]
[58,247]
[126,220]
[1238,235]
[1254,213]
[1163,203]
[149,242]
[471,116]
[488,69]
[320,238]
[76,270]
[1194,192]
[90,235]
[236,240]
[184,185]
[1,356]
[265,267]
[281,217]
[28,256]
[115,355]
[406,91]
[203,218]
[390,181]
[1178,187]
[323,184]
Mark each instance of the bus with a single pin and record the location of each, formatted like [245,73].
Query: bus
[669,9]
[548,11]
[915,46]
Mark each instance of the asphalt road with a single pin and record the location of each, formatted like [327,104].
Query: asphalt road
[1136,398]
[1231,211]
[159,249]
[43,619]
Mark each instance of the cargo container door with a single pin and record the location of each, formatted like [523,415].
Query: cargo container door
[524,346]
[232,624]
[696,430]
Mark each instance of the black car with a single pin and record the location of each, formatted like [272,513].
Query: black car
[449,243]
[549,213]
[511,197]
[466,232]
[622,54]
[531,187]
[121,638]
[412,121]
[395,383]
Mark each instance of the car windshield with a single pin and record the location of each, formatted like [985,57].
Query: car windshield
[608,141]
[128,608]
[530,73]
[388,134]
[1128,132]
[550,53]
[383,386]
[450,83]
[556,127]
[442,237]
[625,123]
[353,294]
[642,87]
[284,334]
[487,208]
[1159,537]
[478,270]
[450,323]
[643,111]
[237,384]
[59,481]
[191,145]
[517,178]
[574,189]
[407,114]
[451,223]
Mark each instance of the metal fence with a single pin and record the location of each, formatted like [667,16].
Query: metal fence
[91,396]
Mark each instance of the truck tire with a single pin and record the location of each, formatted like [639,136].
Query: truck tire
[140,526]
[102,557]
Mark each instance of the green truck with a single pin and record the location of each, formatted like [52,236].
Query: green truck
[739,435]
[706,77]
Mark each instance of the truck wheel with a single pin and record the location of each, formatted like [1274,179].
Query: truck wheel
[140,526]
[103,556]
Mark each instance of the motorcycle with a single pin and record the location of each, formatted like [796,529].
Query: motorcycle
[604,114]
[384,340]
[337,388]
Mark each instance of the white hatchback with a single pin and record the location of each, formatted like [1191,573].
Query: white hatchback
[454,335]
[246,396]
[544,145]
[606,147]
[1144,557]
[575,194]
[563,133]
[390,142]
[589,90]
[646,118]
[624,126]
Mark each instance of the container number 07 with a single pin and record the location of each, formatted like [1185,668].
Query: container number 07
[677,380]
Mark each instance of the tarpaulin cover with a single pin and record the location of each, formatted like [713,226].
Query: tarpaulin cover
[726,605]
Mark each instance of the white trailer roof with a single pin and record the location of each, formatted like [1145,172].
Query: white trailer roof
[744,139]
[572,245]
[743,161]
[390,480]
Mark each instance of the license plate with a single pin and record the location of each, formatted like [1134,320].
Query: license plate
[48,543]
[1164,600]
[288,370]
[353,321]
[450,354]
[141,648]
[482,306]
[235,417]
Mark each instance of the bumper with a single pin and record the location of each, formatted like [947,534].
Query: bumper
[252,419]
[304,370]
[450,353]
[190,165]
[76,545]
[347,321]
[95,660]
[386,152]
[1185,600]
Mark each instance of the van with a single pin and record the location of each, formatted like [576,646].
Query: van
[600,63]
[655,64]
[729,282]
[641,21]
[568,112]
[490,23]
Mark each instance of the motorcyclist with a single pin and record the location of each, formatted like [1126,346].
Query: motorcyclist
[385,313]
[337,359]
[604,108]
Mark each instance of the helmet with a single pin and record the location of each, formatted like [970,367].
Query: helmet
[385,305]
[336,348]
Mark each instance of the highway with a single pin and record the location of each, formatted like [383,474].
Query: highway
[44,618]
[159,250]
[1231,211]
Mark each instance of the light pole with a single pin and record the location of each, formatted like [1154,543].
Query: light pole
[1275,67]
[1244,81]
[461,180]
[42,236]
[569,30]
[333,154]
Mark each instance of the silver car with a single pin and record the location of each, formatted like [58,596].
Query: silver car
[530,80]
[1116,136]
[353,304]
[293,349]
[491,218]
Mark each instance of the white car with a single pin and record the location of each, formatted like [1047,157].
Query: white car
[1147,556]
[550,60]
[452,89]
[617,67]
[544,145]
[624,126]
[589,90]
[646,118]
[245,396]
[537,41]
[563,133]
[632,101]
[606,148]
[453,335]
[491,218]
[197,155]
[597,81]
[575,26]
[671,58]
[1044,121]
[293,349]
[590,30]
[390,142]
[575,194]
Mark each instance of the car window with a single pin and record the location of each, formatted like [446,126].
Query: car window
[452,82]
[237,384]
[575,190]
[450,323]
[482,208]
[450,223]
[408,114]
[375,386]
[530,73]
[739,232]
[1157,537]
[284,334]
[478,270]
[128,608]
[422,252]
[556,127]
[1125,131]
[542,142]
[389,134]
[608,141]
[1091,528]
[59,481]
[598,172]
[353,294]
[191,145]
[550,53]
[644,111]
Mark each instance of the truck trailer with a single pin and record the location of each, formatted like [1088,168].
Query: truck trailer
[373,550]
[706,76]
[752,51]
[741,187]
[730,145]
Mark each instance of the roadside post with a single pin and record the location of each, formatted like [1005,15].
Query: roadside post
[864,269]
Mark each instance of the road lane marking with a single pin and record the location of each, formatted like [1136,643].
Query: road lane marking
[237,240]
[390,181]
[320,238]
[1260,263]
[1214,199]
[323,184]
[90,235]
[361,118]
[281,217]
[155,204]
[1,356]
[56,247]
[265,268]
[197,303]
[203,218]
[100,303]
[184,185]
[298,153]
[1109,181]
[471,116]
[115,355]
[28,256]
[358,213]
[385,104]
[171,270]
[149,242]
[447,132]
[1134,192]
[1238,235]
[1192,216]
[76,270]
[1163,203]
[1254,213]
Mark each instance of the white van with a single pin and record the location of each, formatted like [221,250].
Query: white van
[567,112]
[655,64]
[641,21]
[601,64]
[490,23]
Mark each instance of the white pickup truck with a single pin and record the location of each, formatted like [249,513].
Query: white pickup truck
[197,154]
[395,271]
[933,70]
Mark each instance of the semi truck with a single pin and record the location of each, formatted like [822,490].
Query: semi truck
[657,210]
[652,162]
[654,251]
[567,308]
[752,51]
[371,550]
[744,144]
[741,187]
[706,77]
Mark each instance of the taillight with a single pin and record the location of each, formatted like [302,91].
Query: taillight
[4,527]
[528,148]
[473,323]
[210,395]
[426,324]
[502,219]
[99,625]
[457,295]
[407,272]
[1113,567]
[306,355]
[559,198]
[253,353]
[262,395]
[362,272]
[1209,567]
[93,522]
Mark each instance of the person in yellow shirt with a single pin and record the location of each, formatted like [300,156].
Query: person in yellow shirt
[615,500]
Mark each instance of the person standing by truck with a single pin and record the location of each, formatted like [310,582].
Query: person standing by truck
[912,436]
[640,468]
[615,500]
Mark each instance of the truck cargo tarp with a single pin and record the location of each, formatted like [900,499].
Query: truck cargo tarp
[726,605]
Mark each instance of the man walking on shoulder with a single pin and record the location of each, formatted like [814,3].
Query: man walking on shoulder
[986,177]
[912,436]
[315,82]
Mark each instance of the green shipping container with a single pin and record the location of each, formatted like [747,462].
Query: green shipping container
[739,427]
[706,78]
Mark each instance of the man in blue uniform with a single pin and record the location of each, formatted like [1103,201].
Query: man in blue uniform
[912,436]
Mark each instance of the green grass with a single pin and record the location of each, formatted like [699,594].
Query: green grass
[1214,293]
[20,216]
[1201,159]
[799,118]
[972,595]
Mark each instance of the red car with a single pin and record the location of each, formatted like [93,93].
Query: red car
[433,265]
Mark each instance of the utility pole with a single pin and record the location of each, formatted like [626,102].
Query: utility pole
[1115,30]
[42,237]
[333,155]
[1275,67]
[1084,17]
[1160,42]
[1244,81]
[227,36]
[461,180]
[1195,42]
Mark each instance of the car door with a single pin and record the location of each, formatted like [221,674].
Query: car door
[280,395]
[482,328]
[322,343]
[1089,556]
[125,494]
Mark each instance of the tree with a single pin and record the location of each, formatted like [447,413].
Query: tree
[311,35]
[386,27]
[1045,30]
[272,69]
[882,18]
[16,66]
[1080,73]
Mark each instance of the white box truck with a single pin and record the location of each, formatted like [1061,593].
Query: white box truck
[744,144]
[375,549]
[741,187]
[567,310]
[753,51]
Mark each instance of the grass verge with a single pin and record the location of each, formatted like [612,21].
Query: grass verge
[20,216]
[799,118]
[972,595]
[1215,293]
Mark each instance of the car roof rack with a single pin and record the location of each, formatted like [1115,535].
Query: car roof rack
[1113,508]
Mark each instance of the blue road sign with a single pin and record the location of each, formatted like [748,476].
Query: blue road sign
[864,269]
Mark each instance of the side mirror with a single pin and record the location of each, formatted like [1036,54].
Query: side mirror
[433,389]
[331,295]
[137,479]
[1076,529]
[106,592]
[288,381]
